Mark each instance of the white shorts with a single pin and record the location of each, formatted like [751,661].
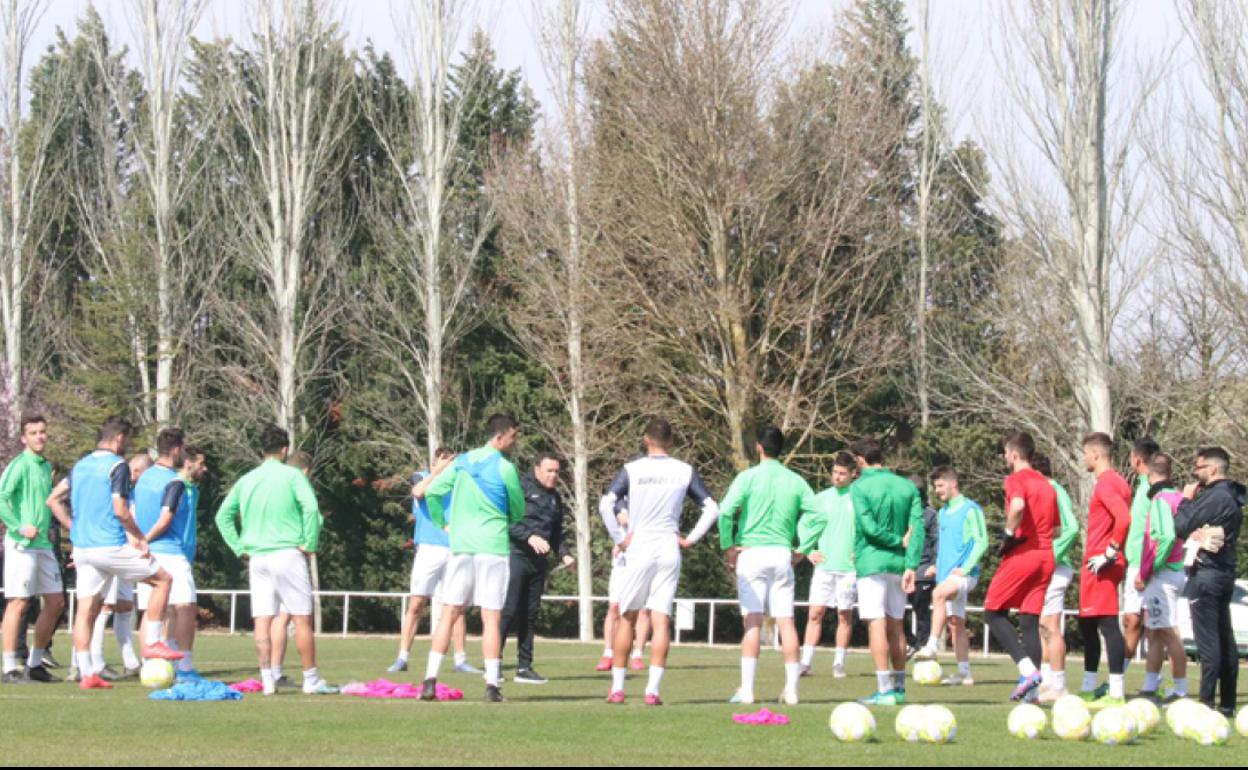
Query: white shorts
[1132,600]
[956,607]
[834,590]
[181,591]
[1161,599]
[765,582]
[119,564]
[29,572]
[880,596]
[477,578]
[1055,597]
[649,580]
[616,581]
[280,582]
[428,569]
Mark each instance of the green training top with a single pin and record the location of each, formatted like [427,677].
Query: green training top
[1134,548]
[1065,541]
[770,498]
[277,509]
[24,490]
[1161,530]
[830,530]
[486,499]
[885,507]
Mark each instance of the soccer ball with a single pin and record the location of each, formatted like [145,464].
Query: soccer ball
[156,674]
[1071,719]
[927,672]
[1114,727]
[1241,722]
[1208,728]
[852,722]
[1147,715]
[1179,713]
[909,723]
[939,725]
[1027,721]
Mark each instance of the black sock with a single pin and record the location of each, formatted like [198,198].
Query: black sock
[1115,644]
[1030,627]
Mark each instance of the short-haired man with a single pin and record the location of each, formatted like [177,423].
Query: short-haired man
[770,498]
[30,566]
[962,543]
[108,545]
[827,539]
[271,516]
[1109,519]
[486,499]
[1160,581]
[1142,450]
[1052,641]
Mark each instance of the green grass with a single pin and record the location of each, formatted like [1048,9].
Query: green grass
[564,722]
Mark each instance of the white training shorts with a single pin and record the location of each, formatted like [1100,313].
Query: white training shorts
[29,571]
[181,591]
[765,583]
[1132,600]
[649,580]
[428,570]
[280,582]
[880,596]
[956,606]
[616,580]
[1055,596]
[477,578]
[1161,599]
[120,565]
[834,590]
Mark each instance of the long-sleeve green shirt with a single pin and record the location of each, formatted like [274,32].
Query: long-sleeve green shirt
[486,499]
[885,507]
[24,490]
[1065,541]
[770,497]
[1133,549]
[277,510]
[830,530]
[1161,532]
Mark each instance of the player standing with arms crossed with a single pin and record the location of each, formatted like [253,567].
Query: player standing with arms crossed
[827,539]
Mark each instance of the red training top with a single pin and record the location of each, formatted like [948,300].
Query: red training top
[1040,515]
[1109,514]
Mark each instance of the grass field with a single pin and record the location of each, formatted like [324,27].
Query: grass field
[565,722]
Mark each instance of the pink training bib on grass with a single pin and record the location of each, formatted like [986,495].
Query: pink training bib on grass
[761,717]
[248,685]
[382,688]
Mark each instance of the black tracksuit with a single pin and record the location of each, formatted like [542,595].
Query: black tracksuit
[921,599]
[1210,583]
[543,516]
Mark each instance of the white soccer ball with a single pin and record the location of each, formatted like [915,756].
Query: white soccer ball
[1114,727]
[1179,713]
[852,722]
[909,723]
[927,672]
[1241,722]
[939,725]
[1027,721]
[1071,719]
[156,674]
[1147,715]
[1208,729]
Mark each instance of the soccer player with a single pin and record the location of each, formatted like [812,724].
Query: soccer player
[962,542]
[163,511]
[30,566]
[886,507]
[433,551]
[770,498]
[280,526]
[486,499]
[920,598]
[1052,640]
[614,582]
[1132,602]
[1109,518]
[108,545]
[1161,581]
[827,539]
[1026,569]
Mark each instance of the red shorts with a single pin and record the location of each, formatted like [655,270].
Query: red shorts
[1098,594]
[1021,582]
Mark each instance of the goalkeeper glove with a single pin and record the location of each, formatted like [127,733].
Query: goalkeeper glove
[1098,563]
[1009,543]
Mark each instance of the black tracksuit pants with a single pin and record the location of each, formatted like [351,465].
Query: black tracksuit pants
[524,599]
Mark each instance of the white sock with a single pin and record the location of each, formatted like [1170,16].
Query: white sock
[792,672]
[1151,681]
[403,656]
[35,658]
[808,656]
[617,678]
[461,658]
[1046,674]
[884,681]
[840,657]
[152,631]
[97,641]
[930,645]
[749,666]
[899,680]
[1026,667]
[186,663]
[277,672]
[636,654]
[1117,685]
[1059,680]
[607,652]
[310,676]
[85,662]
[266,678]
[656,678]
[123,629]
[434,665]
[1089,681]
[493,666]
[10,662]
[964,667]
[1180,686]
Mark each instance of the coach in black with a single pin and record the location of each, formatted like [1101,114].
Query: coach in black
[533,539]
[1211,515]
